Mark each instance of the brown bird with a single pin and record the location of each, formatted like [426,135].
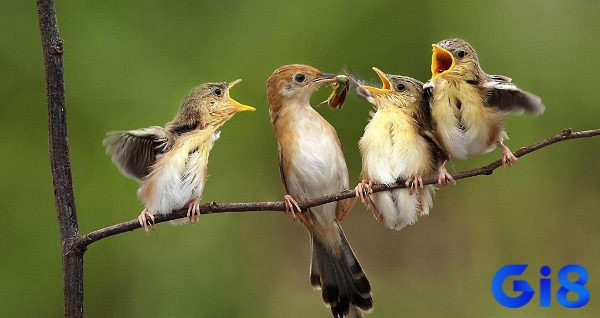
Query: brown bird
[171,162]
[398,144]
[469,107]
[312,164]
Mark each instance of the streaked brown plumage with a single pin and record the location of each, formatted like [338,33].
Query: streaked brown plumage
[468,106]
[312,164]
[171,162]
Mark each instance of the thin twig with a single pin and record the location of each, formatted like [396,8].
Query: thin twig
[214,207]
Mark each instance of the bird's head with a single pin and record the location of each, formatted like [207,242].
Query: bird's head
[295,83]
[454,58]
[396,91]
[211,104]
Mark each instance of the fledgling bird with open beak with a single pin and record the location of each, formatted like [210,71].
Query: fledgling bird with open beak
[171,162]
[312,164]
[469,107]
[398,144]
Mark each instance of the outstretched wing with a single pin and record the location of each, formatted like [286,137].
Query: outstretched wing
[500,92]
[135,151]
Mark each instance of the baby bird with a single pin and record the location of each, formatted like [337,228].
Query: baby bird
[171,162]
[398,144]
[468,106]
[312,164]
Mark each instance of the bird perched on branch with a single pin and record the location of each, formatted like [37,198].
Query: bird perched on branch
[468,106]
[171,162]
[398,144]
[312,164]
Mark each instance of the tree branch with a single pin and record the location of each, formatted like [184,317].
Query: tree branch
[72,254]
[73,246]
[214,207]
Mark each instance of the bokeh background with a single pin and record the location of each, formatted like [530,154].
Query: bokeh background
[128,65]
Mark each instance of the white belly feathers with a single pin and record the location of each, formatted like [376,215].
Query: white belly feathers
[317,165]
[181,178]
[392,150]
[461,120]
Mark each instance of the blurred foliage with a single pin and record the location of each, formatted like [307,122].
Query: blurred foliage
[129,64]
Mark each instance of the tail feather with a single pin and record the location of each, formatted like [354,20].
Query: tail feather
[344,286]
[400,208]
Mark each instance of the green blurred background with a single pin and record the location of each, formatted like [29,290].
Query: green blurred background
[128,65]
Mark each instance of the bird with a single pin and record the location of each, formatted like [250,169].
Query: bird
[312,164]
[398,144]
[469,107]
[170,162]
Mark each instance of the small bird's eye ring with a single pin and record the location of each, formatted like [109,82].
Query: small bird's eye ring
[217,91]
[299,77]
[460,54]
[400,87]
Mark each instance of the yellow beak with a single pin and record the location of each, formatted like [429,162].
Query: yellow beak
[442,61]
[238,107]
[386,85]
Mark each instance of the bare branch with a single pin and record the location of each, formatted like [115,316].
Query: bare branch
[214,207]
[73,246]
[72,255]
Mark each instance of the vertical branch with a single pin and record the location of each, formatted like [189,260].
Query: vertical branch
[72,256]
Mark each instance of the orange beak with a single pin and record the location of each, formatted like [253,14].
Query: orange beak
[238,107]
[442,61]
[386,85]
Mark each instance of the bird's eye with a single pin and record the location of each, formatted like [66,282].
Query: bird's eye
[460,54]
[299,77]
[217,91]
[400,87]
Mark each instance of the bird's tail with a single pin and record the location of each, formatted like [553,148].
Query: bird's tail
[345,287]
[401,208]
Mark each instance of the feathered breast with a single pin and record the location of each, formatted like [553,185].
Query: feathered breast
[179,174]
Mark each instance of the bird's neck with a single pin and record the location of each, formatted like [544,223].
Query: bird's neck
[401,116]
[289,110]
[462,75]
[396,107]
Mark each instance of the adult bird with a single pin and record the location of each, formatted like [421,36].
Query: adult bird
[398,144]
[468,106]
[312,164]
[171,162]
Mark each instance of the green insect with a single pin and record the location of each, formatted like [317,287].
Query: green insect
[338,95]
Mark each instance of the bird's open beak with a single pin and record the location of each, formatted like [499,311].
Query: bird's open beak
[386,85]
[441,61]
[326,78]
[238,107]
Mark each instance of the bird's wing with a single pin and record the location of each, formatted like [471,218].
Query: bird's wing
[281,171]
[428,91]
[427,128]
[427,101]
[135,151]
[500,92]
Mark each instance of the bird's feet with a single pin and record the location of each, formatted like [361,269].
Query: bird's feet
[146,220]
[414,184]
[363,189]
[443,176]
[193,212]
[292,206]
[508,158]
